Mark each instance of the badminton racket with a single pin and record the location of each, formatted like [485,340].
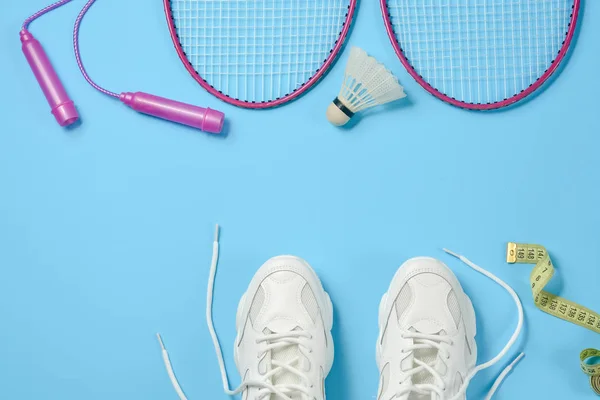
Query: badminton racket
[258,53]
[481,54]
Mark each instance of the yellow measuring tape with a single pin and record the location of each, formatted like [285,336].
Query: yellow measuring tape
[556,305]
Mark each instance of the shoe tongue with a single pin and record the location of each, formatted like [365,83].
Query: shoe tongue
[427,327]
[282,326]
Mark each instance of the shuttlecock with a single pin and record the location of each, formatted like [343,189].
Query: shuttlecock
[367,83]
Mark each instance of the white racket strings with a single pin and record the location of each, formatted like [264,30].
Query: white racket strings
[258,50]
[480,51]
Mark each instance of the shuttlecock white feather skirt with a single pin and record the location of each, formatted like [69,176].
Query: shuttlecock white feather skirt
[367,83]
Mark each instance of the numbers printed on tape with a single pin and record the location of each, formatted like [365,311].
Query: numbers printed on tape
[593,370]
[556,305]
[540,276]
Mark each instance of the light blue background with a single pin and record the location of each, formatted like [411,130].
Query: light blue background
[106,229]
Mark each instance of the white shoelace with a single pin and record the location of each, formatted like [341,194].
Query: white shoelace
[435,342]
[273,341]
[424,341]
[508,345]
[279,340]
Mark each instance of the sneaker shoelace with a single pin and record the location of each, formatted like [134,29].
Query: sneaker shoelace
[272,341]
[423,341]
[436,390]
[283,340]
[280,342]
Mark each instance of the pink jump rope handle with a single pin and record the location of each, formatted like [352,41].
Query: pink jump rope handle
[204,119]
[61,105]
[63,108]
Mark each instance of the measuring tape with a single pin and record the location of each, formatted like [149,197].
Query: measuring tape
[556,305]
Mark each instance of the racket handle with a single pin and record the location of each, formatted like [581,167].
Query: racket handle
[204,119]
[61,105]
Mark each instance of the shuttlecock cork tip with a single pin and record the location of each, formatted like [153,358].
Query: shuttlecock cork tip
[367,83]
[337,113]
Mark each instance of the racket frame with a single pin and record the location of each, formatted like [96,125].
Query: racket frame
[334,52]
[482,106]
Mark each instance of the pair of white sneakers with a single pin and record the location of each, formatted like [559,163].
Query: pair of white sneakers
[284,350]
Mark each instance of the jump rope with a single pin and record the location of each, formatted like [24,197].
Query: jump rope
[63,107]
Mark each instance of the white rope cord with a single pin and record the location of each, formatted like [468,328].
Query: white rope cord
[276,341]
[508,345]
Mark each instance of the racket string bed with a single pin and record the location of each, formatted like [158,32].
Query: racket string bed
[258,51]
[480,52]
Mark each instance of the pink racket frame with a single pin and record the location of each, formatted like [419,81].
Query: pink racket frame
[246,104]
[491,106]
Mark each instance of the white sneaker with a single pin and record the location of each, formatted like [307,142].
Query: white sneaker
[427,328]
[426,348]
[284,348]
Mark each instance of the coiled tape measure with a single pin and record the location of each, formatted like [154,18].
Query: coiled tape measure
[555,305]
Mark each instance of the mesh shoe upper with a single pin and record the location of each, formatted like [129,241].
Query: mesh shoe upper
[427,330]
[284,323]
